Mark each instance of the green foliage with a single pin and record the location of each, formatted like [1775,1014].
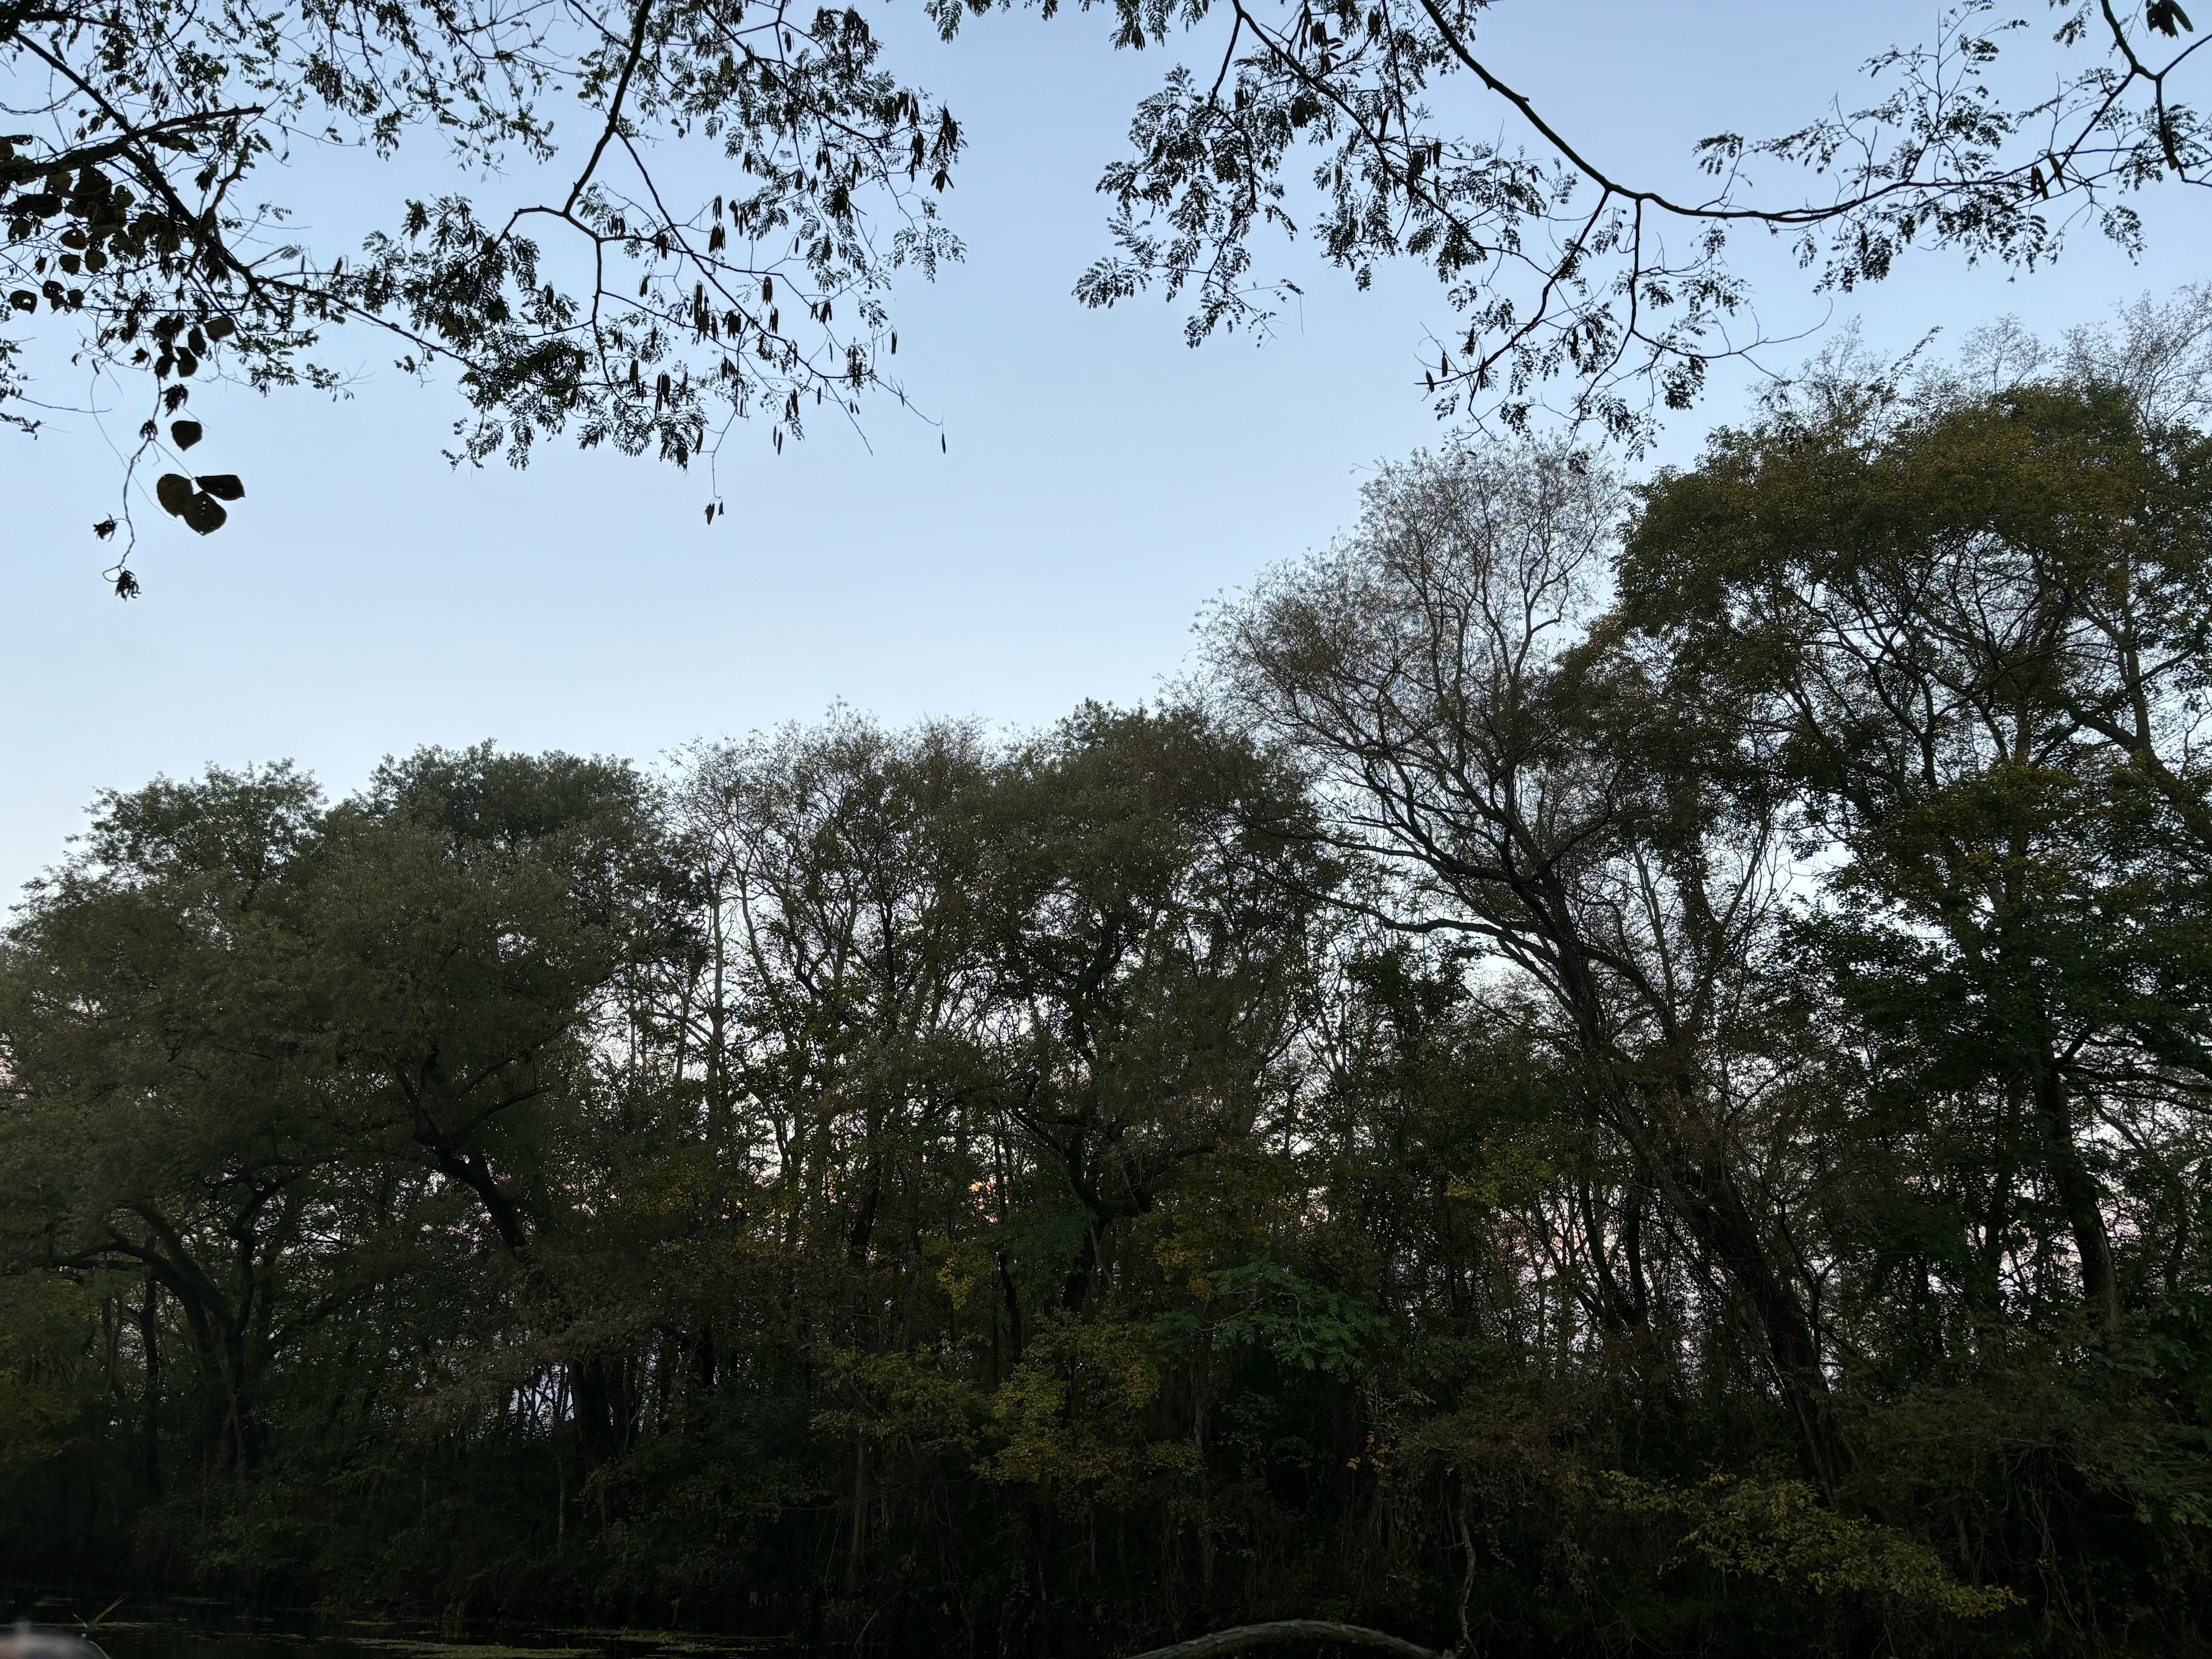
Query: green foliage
[1658,1125]
[47,1403]
[1779,1530]
[1302,1326]
[1073,1415]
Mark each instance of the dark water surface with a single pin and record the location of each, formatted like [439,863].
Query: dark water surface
[186,1631]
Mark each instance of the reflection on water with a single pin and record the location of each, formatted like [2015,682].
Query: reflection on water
[196,1631]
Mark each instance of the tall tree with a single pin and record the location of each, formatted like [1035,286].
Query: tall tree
[1970,631]
[168,1077]
[1538,796]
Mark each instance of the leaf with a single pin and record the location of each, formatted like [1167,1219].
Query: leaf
[186,433]
[204,513]
[174,492]
[223,486]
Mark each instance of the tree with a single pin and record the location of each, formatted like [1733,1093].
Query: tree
[1528,786]
[626,310]
[170,1119]
[1149,933]
[471,915]
[1631,1076]
[1958,628]
[1975,627]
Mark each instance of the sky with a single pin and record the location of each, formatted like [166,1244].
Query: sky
[1100,483]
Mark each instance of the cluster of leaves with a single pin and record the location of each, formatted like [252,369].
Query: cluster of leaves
[630,307]
[642,326]
[1565,269]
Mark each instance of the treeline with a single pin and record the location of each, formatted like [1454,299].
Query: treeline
[1626,1071]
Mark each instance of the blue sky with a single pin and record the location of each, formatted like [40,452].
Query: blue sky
[1100,482]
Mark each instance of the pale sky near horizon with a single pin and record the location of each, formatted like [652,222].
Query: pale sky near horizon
[1101,482]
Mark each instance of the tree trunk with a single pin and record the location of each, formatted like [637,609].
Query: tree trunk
[2078,1195]
[149,1418]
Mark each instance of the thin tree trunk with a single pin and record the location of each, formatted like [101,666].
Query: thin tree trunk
[149,1419]
[2079,1194]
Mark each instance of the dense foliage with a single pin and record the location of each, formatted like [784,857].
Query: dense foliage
[1626,1072]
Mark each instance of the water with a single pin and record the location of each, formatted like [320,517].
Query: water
[190,1630]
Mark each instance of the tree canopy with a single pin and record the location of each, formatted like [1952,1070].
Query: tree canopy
[1625,1071]
[593,289]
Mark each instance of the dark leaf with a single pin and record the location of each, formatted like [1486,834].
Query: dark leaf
[185,433]
[223,486]
[174,492]
[204,513]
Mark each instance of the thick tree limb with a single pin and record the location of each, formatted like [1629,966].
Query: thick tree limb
[1239,1638]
